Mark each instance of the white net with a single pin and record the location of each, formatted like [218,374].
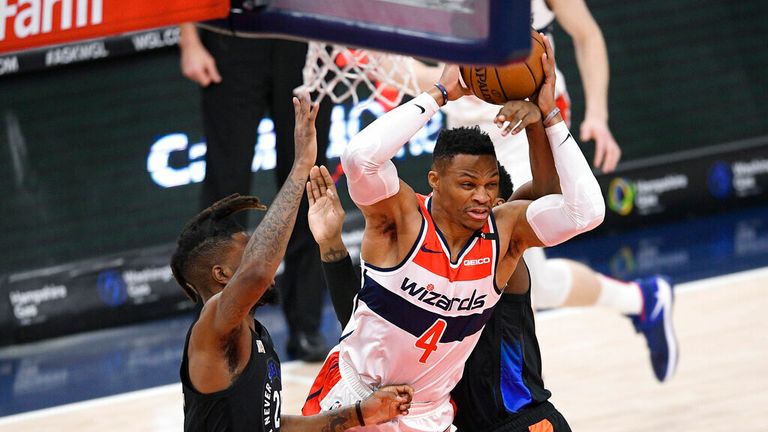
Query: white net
[340,73]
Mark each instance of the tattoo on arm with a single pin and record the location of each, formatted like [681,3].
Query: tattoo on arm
[267,245]
[338,421]
[333,254]
[270,239]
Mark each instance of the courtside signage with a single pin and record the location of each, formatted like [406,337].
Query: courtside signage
[26,24]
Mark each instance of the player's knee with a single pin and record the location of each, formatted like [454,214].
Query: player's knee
[551,284]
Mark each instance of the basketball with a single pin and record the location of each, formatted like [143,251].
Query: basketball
[515,81]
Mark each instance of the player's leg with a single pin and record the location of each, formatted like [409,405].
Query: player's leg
[647,302]
[331,390]
[589,288]
[322,388]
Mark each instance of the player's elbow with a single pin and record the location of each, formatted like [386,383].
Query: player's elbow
[355,160]
[589,217]
[588,212]
[350,161]
[598,215]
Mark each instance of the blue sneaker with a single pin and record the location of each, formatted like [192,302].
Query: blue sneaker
[655,323]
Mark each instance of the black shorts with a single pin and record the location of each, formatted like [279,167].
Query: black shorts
[541,418]
[504,381]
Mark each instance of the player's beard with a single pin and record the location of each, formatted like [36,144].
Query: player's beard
[270,297]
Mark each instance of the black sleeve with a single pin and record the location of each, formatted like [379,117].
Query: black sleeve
[343,281]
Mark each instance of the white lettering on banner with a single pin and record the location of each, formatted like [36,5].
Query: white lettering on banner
[137,281]
[745,175]
[158,162]
[37,296]
[149,274]
[32,17]
[25,303]
[76,53]
[648,191]
[753,167]
[342,128]
[9,64]
[156,39]
[661,185]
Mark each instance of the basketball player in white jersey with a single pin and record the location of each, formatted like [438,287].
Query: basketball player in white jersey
[561,282]
[434,266]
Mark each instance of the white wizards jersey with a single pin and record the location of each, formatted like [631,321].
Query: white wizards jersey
[417,323]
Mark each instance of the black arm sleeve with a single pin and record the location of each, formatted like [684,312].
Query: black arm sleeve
[343,281]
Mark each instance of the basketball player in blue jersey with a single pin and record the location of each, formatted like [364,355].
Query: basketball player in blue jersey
[434,267]
[230,372]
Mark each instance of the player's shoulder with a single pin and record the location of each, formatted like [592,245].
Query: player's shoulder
[205,320]
[398,209]
[208,328]
[509,217]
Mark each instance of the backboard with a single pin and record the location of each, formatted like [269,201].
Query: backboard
[456,31]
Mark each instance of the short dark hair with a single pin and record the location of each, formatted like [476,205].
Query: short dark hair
[211,229]
[461,140]
[505,184]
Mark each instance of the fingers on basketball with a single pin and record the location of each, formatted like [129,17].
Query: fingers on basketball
[515,81]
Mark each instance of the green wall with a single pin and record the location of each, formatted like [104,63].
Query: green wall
[684,73]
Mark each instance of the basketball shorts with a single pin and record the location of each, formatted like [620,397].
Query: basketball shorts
[541,418]
[333,389]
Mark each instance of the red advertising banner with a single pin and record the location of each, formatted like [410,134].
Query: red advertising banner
[28,24]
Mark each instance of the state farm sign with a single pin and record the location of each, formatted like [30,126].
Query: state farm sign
[27,24]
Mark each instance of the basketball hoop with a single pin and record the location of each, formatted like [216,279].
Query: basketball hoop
[338,72]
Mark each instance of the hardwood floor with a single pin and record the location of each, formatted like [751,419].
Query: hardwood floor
[594,363]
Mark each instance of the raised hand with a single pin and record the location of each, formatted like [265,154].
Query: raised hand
[326,216]
[450,80]
[387,403]
[545,98]
[304,132]
[518,114]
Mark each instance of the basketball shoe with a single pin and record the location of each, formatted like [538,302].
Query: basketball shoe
[655,323]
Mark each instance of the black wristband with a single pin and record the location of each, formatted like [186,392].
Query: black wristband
[443,91]
[359,412]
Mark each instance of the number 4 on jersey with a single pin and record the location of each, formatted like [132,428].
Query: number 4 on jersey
[428,341]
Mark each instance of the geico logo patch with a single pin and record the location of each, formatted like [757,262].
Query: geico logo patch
[478,261]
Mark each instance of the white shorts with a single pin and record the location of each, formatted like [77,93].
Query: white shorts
[337,385]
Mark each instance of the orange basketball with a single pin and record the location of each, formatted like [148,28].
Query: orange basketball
[515,81]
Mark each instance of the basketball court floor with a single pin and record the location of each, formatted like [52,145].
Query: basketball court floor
[126,379]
